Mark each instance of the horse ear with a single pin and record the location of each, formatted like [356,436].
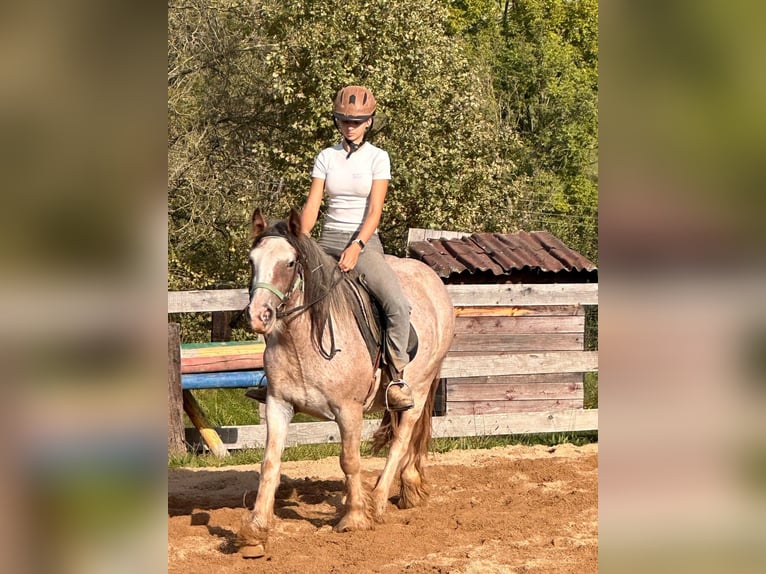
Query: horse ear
[258,224]
[294,222]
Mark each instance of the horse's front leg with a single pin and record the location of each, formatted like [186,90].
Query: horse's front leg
[357,511]
[253,534]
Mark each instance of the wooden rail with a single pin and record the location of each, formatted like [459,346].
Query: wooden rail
[573,420]
[462,295]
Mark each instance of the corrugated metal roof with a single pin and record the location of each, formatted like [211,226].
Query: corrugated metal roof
[499,254]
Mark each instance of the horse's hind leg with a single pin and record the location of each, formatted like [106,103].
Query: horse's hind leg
[357,512]
[413,489]
[396,453]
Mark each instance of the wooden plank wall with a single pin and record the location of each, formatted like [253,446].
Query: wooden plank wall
[515,330]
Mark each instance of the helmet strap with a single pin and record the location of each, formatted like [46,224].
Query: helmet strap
[352,147]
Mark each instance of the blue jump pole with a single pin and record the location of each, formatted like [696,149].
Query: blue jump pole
[227,380]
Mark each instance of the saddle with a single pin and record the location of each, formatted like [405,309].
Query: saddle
[371,320]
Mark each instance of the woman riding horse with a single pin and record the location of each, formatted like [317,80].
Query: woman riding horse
[354,174]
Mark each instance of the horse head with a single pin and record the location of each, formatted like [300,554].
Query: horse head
[275,269]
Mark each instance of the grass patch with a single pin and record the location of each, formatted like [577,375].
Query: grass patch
[440,445]
[230,407]
[486,442]
[590,400]
[227,407]
[255,456]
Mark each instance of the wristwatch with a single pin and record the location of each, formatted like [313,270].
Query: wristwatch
[359,242]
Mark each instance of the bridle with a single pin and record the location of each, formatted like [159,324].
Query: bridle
[283,297]
[297,283]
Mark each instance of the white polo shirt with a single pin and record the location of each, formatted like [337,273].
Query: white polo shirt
[348,182]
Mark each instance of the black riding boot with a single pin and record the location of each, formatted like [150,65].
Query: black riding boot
[258,393]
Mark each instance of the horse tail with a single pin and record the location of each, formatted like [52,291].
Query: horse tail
[384,434]
[421,434]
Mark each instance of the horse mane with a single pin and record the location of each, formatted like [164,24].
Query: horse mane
[325,292]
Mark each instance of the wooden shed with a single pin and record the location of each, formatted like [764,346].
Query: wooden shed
[533,330]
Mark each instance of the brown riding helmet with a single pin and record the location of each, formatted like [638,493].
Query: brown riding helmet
[354,103]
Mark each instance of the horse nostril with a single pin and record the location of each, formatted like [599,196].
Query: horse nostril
[267,314]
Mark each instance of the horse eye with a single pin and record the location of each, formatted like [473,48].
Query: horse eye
[291,264]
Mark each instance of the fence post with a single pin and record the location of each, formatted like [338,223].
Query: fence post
[220,329]
[440,399]
[176,439]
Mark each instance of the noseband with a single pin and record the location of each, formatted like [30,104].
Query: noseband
[283,297]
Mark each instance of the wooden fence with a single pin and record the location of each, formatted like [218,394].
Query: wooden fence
[477,363]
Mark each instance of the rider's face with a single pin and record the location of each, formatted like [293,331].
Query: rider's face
[354,129]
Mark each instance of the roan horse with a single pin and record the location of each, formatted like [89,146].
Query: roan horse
[300,302]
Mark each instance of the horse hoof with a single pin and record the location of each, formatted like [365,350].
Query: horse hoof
[252,551]
[351,525]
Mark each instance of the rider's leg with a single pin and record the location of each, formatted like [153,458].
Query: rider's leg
[384,285]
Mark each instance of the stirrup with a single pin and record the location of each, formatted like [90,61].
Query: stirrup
[401,383]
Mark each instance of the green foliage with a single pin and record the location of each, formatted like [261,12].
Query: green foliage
[436,115]
[488,110]
[473,18]
[547,84]
[590,400]
[211,174]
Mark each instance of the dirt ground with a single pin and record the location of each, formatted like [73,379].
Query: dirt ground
[516,509]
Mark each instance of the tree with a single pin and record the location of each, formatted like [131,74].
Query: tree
[487,110]
[214,58]
[547,84]
[250,92]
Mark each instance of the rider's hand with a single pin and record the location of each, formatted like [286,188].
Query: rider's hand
[349,257]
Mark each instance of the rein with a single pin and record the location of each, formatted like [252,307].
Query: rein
[306,306]
[328,323]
